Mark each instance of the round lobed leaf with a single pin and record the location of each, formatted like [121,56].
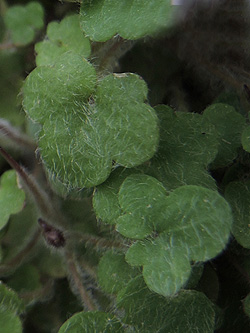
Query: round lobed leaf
[80,136]
[10,322]
[229,125]
[189,311]
[23,21]
[200,218]
[135,19]
[62,37]
[142,208]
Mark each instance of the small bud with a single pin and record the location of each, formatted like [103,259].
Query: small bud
[52,235]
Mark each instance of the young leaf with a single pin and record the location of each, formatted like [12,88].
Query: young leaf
[229,125]
[114,273]
[189,311]
[94,321]
[142,200]
[81,138]
[62,37]
[183,135]
[166,267]
[23,21]
[11,197]
[238,196]
[101,20]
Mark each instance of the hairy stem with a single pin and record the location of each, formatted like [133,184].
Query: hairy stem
[41,198]
[16,138]
[77,282]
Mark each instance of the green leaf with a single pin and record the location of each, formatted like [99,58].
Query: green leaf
[94,321]
[11,197]
[62,37]
[166,268]
[105,199]
[245,139]
[229,125]
[9,322]
[189,311]
[101,20]
[199,217]
[114,273]
[238,196]
[142,199]
[9,300]
[80,138]
[183,135]
[23,21]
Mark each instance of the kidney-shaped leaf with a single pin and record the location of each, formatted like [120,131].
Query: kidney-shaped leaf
[82,136]
[130,19]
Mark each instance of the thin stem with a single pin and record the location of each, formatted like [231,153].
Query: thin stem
[7,46]
[99,242]
[77,282]
[15,137]
[15,262]
[41,198]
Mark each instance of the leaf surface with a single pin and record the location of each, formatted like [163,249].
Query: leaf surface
[132,19]
[11,197]
[23,21]
[94,321]
[86,127]
[62,37]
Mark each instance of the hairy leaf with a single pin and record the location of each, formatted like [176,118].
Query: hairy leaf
[238,195]
[183,135]
[166,268]
[189,311]
[114,273]
[132,20]
[80,136]
[95,321]
[229,125]
[11,197]
[23,21]
[62,37]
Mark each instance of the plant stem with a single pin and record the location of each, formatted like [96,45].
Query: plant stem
[16,138]
[7,46]
[15,262]
[41,198]
[100,242]
[77,282]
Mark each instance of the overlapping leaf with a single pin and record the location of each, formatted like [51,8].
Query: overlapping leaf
[62,37]
[114,272]
[189,311]
[94,321]
[81,136]
[192,223]
[132,20]
[183,135]
[229,125]
[23,21]
[11,197]
[238,195]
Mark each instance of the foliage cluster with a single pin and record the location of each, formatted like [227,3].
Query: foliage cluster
[127,206]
